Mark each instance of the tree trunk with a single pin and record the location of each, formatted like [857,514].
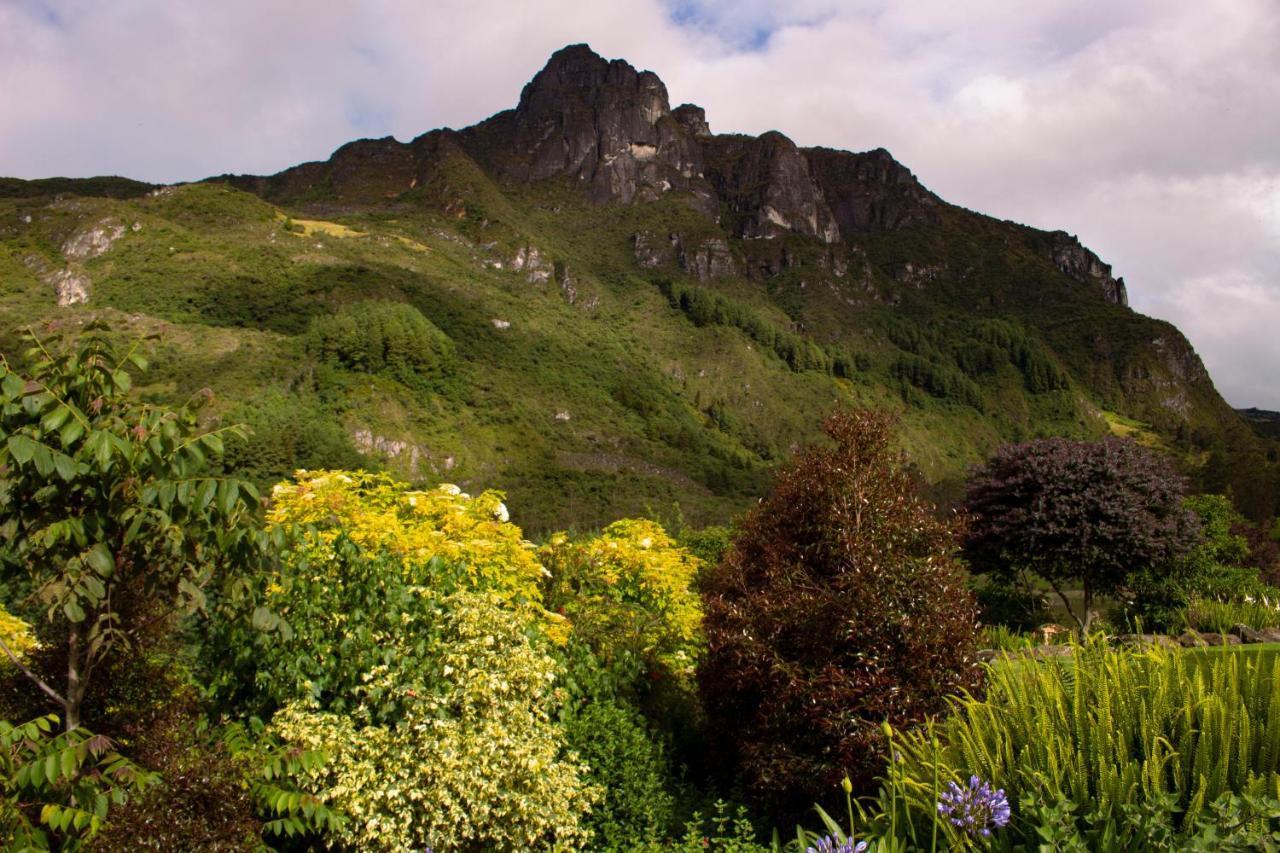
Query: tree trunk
[75,683]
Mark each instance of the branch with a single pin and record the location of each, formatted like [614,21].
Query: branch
[53,694]
[1067,604]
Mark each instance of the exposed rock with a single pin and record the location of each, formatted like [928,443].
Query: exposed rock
[500,324]
[1085,267]
[537,269]
[568,286]
[71,285]
[562,415]
[1255,635]
[710,259]
[693,119]
[91,242]
[871,191]
[369,444]
[651,251]
[1162,640]
[604,123]
[1194,639]
[765,182]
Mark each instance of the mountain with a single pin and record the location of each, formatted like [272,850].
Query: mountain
[599,305]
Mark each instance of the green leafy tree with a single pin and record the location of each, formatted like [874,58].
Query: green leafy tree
[108,509]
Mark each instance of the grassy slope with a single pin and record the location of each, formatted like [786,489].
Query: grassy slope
[660,412]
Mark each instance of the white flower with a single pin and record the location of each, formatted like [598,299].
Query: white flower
[500,513]
[646,542]
[450,489]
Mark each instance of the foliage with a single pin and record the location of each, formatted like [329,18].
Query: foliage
[108,507]
[1002,639]
[628,766]
[425,530]
[839,606]
[475,761]
[57,788]
[709,544]
[1219,617]
[285,434]
[383,337]
[16,634]
[1011,602]
[707,308]
[1119,731]
[1095,514]
[725,830]
[629,591]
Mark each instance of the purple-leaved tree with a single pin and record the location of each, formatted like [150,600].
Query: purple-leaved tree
[1089,514]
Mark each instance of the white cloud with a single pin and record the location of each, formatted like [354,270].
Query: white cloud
[1147,127]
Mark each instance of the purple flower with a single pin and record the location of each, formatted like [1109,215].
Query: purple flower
[829,844]
[976,809]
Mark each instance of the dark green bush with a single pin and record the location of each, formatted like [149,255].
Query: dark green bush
[389,338]
[287,433]
[838,607]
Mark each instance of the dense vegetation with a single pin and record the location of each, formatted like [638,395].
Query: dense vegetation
[356,662]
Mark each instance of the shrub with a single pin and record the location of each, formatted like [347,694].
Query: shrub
[1101,739]
[839,606]
[629,591]
[392,338]
[384,516]
[287,433]
[1096,514]
[474,762]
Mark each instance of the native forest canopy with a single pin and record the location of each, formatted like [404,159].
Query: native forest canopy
[585,479]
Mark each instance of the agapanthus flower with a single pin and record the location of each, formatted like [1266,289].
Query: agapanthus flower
[975,809]
[830,844]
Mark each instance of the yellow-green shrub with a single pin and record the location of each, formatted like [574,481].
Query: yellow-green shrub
[386,517]
[629,590]
[16,635]
[476,762]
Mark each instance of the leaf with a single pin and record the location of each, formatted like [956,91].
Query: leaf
[228,491]
[51,769]
[123,381]
[55,419]
[11,385]
[205,495]
[72,431]
[66,466]
[100,559]
[74,612]
[22,448]
[213,442]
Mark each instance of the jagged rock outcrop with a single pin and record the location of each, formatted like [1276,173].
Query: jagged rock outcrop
[604,123]
[1085,267]
[766,184]
[705,259]
[870,191]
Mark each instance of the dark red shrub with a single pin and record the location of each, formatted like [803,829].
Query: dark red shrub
[838,607]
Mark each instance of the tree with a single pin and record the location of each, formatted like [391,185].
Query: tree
[1097,514]
[840,606]
[108,507]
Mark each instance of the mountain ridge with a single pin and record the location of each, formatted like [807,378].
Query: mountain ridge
[691,303]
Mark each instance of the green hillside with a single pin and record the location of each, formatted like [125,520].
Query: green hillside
[598,358]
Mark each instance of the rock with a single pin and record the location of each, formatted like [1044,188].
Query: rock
[603,123]
[1085,267]
[1247,634]
[1042,652]
[765,182]
[651,252]
[1195,639]
[871,191]
[500,324]
[91,242]
[562,416]
[693,119]
[537,269]
[71,286]
[710,259]
[1162,640]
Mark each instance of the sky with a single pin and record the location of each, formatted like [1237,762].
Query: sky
[1149,128]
